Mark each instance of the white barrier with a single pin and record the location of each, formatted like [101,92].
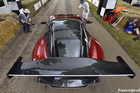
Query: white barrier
[37,5]
[95,2]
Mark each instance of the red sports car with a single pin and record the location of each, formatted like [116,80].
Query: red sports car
[68,56]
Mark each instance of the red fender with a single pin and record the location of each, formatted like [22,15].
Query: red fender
[95,50]
[40,50]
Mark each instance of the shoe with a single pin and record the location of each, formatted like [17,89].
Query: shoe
[25,31]
[89,22]
[29,31]
[134,39]
[43,22]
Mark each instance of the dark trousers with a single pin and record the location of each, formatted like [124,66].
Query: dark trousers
[26,27]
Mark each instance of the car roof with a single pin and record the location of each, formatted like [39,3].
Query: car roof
[66,24]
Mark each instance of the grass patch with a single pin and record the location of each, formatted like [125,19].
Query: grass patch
[132,11]
[125,40]
[8,27]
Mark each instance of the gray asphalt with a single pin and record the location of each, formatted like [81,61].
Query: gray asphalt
[22,45]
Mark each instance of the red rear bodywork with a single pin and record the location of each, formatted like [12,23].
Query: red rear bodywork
[40,50]
[95,50]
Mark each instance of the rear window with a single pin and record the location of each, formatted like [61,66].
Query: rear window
[66,24]
[67,34]
[66,28]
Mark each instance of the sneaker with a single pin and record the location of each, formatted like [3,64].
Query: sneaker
[134,39]
[89,22]
[137,38]
[29,31]
[25,31]
[43,22]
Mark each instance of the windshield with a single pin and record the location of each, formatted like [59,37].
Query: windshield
[60,24]
[66,28]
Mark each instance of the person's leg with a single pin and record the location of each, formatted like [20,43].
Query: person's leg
[83,19]
[129,32]
[28,28]
[86,19]
[86,16]
[24,27]
[137,31]
[138,34]
[83,16]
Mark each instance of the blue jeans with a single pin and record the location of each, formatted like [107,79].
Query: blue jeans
[26,27]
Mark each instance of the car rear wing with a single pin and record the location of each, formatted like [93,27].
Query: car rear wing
[70,67]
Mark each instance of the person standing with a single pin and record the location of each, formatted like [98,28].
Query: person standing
[86,10]
[24,18]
